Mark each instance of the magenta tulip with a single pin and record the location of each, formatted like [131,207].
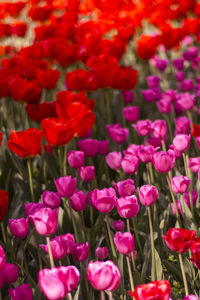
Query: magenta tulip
[101,252]
[75,159]
[78,201]
[113,160]
[80,251]
[51,199]
[32,207]
[117,133]
[118,225]
[164,161]
[103,200]
[66,186]
[88,146]
[130,164]
[127,206]
[146,153]
[125,187]
[180,184]
[19,227]
[131,113]
[124,242]
[23,291]
[143,127]
[159,128]
[103,147]
[10,273]
[182,142]
[148,194]
[87,173]
[2,259]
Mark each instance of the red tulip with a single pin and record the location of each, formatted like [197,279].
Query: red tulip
[195,249]
[195,131]
[48,78]
[25,143]
[3,204]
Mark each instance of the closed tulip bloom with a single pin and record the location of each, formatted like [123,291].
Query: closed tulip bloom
[127,206]
[178,205]
[118,225]
[186,197]
[3,204]
[103,200]
[66,186]
[130,164]
[19,227]
[164,105]
[164,161]
[146,153]
[23,291]
[159,128]
[178,63]
[128,96]
[125,187]
[149,95]
[80,251]
[190,297]
[124,242]
[88,146]
[96,272]
[10,273]
[117,133]
[75,159]
[182,142]
[132,150]
[57,282]
[195,249]
[148,194]
[194,164]
[2,259]
[45,220]
[103,147]
[153,81]
[182,125]
[179,239]
[159,289]
[87,173]
[179,76]
[32,207]
[78,201]
[131,113]
[186,101]
[143,127]
[113,160]
[177,153]
[101,252]
[60,245]
[180,184]
[51,199]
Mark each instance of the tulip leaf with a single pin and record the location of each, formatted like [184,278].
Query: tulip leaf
[159,269]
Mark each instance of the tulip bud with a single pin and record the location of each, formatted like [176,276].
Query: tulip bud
[87,173]
[51,199]
[124,242]
[101,252]
[148,194]
[19,227]
[118,225]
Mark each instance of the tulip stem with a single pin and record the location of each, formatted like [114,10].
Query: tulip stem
[69,296]
[73,223]
[110,238]
[30,179]
[130,274]
[84,228]
[150,169]
[153,272]
[183,274]
[50,252]
[0,295]
[3,232]
[103,295]
[174,202]
[38,250]
[137,236]
[188,174]
[65,161]
[107,100]
[110,296]
[60,161]
[85,280]
[30,280]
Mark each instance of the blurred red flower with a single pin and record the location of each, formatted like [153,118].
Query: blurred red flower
[3,204]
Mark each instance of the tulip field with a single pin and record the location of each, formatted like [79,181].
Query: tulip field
[99,149]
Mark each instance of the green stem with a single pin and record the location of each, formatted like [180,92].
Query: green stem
[60,161]
[110,237]
[73,221]
[150,169]
[85,280]
[137,236]
[183,274]
[153,273]
[65,161]
[38,249]
[50,252]
[30,280]
[83,224]
[130,274]
[3,232]
[30,179]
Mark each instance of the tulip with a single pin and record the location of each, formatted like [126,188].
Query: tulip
[117,133]
[195,249]
[153,81]
[182,142]
[130,164]
[103,147]
[182,125]
[132,150]
[194,164]
[10,273]
[66,186]
[56,283]
[32,207]
[125,187]
[186,197]
[127,206]
[179,76]
[3,204]
[190,297]
[75,159]
[80,251]
[103,200]
[101,252]
[87,173]
[118,225]
[164,105]
[96,272]
[159,128]
[178,63]
[186,101]
[131,113]
[78,201]
[179,239]
[51,199]
[143,127]
[128,96]
[177,153]
[60,245]
[146,153]
[148,194]
[159,289]
[2,259]
[164,161]
[187,84]
[88,146]
[23,291]
[19,227]
[149,95]
[178,205]
[45,220]
[180,184]
[124,242]
[113,160]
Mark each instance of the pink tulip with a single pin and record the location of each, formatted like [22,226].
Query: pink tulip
[19,227]
[128,96]
[103,200]
[32,207]
[124,242]
[60,245]
[198,141]
[187,84]
[51,199]
[23,291]
[2,259]
[153,81]
[125,187]
[80,251]
[130,164]
[149,95]
[103,147]
[56,283]
[132,150]
[127,206]
[146,153]
[178,63]
[182,142]
[143,127]
[66,186]
[131,113]
[10,273]
[190,297]
[179,76]
[177,153]
[186,197]
[117,133]
[88,146]
[101,252]
[178,205]
[186,101]
[87,173]
[45,220]
[78,201]
[118,225]
[154,141]
[96,272]
[113,160]
[164,105]
[180,184]
[159,128]
[194,164]
[148,194]
[75,159]
[164,161]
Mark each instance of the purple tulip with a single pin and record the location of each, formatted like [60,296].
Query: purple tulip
[19,227]
[125,187]
[164,105]
[182,125]
[51,199]
[131,113]
[80,251]
[179,76]
[66,186]
[32,207]
[153,81]
[180,184]
[101,252]
[148,194]
[10,273]
[124,242]
[75,159]
[88,146]
[23,291]
[178,63]
[117,133]
[103,147]
[128,96]
[149,95]
[87,173]
[113,160]
[118,225]
[78,201]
